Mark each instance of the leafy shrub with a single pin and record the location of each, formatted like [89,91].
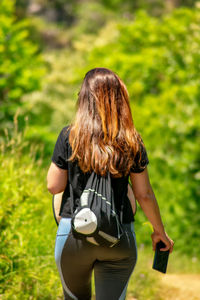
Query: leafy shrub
[21,66]
[27,226]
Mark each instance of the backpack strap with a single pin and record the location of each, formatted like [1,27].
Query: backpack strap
[122,205]
[71,199]
[121,211]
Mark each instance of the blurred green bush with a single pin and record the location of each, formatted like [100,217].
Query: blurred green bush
[27,226]
[21,66]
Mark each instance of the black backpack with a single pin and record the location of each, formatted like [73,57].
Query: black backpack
[95,219]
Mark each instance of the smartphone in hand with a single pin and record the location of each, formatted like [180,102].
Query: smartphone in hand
[160,258]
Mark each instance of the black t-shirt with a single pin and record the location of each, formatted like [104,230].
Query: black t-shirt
[78,179]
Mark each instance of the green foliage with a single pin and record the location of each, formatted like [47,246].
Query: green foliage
[53,106]
[27,226]
[21,67]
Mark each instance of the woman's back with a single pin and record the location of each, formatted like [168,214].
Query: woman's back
[78,179]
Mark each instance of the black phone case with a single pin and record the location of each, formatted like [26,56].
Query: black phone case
[160,258]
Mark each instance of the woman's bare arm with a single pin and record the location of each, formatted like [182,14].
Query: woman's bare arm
[145,196]
[56,179]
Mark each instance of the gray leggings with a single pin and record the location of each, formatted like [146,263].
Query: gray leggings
[76,259]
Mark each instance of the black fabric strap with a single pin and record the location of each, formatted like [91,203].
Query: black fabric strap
[122,209]
[122,205]
[71,199]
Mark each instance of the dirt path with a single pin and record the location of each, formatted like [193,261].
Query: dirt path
[181,286]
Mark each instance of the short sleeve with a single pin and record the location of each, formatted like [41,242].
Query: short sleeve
[138,167]
[60,153]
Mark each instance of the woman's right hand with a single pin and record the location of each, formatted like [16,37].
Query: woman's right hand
[157,236]
[145,196]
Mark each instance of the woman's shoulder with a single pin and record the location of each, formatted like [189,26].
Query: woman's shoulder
[65,132]
[66,129]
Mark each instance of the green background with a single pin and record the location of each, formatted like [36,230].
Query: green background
[46,47]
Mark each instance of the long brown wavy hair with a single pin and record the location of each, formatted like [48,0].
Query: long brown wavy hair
[103,136]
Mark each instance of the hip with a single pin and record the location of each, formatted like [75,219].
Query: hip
[127,246]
